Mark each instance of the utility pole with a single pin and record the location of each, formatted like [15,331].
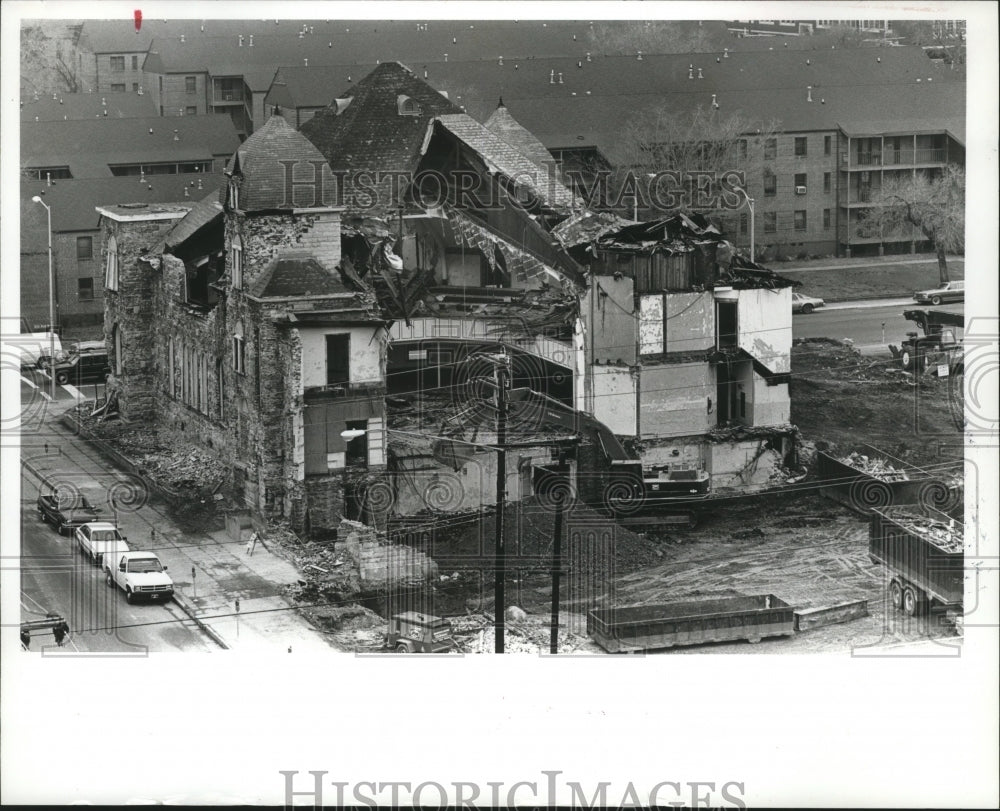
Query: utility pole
[560,495]
[501,371]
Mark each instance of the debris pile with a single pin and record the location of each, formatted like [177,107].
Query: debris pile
[946,537]
[475,634]
[876,468]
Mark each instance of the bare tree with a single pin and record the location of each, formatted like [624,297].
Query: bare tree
[49,58]
[934,204]
[702,147]
[939,39]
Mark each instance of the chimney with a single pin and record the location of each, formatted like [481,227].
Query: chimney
[454,40]
[808,61]
[182,38]
[425,71]
[560,77]
[638,56]
[690,71]
[48,175]
[241,40]
[809,93]
[715,104]
[305,61]
[250,43]
[552,77]
[700,76]
[186,192]
[500,61]
[588,57]
[150,130]
[104,102]
[142,175]
[176,136]
[199,182]
[329,44]
[725,53]
[301,34]
[579,64]
[446,57]
[139,90]
[878,59]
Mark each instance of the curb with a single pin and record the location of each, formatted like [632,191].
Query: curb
[187,608]
[121,461]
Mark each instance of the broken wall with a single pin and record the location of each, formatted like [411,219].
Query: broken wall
[615,392]
[765,326]
[366,357]
[608,312]
[675,399]
[744,465]
[772,405]
[676,322]
[684,453]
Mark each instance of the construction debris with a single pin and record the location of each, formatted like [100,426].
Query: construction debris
[946,537]
[876,468]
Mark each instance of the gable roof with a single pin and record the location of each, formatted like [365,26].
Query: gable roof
[262,160]
[296,273]
[504,125]
[89,146]
[501,157]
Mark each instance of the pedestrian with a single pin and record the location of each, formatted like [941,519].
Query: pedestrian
[251,545]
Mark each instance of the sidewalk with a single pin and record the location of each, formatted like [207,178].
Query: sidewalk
[209,569]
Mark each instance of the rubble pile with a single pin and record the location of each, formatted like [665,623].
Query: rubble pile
[475,634]
[875,467]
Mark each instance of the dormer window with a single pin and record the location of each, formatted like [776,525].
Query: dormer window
[407,106]
[237,263]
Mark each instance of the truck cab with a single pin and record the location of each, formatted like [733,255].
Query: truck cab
[141,576]
[412,632]
[99,538]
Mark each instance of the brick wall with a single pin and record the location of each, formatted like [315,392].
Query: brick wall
[174,98]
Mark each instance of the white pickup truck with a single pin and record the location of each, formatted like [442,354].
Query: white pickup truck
[100,538]
[140,575]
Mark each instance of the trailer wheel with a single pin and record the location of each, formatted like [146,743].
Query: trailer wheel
[911,605]
[896,593]
[402,647]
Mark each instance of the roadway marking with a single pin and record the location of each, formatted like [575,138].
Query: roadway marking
[46,396]
[29,381]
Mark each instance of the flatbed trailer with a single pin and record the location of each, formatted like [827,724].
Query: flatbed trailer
[725,619]
[924,558]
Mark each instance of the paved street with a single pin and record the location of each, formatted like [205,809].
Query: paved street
[862,323]
[210,570]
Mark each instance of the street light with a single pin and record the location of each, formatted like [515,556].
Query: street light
[753,255]
[52,305]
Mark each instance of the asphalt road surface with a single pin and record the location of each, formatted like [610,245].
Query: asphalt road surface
[863,325]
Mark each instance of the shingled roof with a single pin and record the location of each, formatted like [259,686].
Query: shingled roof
[296,273]
[504,125]
[370,134]
[261,163]
[205,213]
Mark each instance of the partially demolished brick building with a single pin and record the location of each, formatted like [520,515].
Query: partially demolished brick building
[368,258]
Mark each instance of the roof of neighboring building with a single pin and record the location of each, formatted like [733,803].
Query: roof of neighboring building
[73,201]
[370,134]
[75,106]
[291,274]
[500,156]
[262,159]
[504,125]
[88,146]
[205,212]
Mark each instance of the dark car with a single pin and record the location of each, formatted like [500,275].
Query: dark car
[65,511]
[83,367]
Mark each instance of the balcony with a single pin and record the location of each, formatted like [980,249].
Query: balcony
[859,196]
[226,92]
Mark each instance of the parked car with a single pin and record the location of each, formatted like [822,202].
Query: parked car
[949,291]
[83,367]
[99,539]
[66,512]
[75,348]
[139,575]
[805,304]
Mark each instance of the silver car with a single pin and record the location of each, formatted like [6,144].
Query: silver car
[805,304]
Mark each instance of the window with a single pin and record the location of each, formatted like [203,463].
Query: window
[827,182]
[770,149]
[111,265]
[135,87]
[190,84]
[118,88]
[338,359]
[48,173]
[234,194]
[118,64]
[135,62]
[220,385]
[770,222]
[407,106]
[770,184]
[800,220]
[190,111]
[800,147]
[727,320]
[800,181]
[827,144]
[84,248]
[85,289]
[826,219]
[357,447]
[239,350]
[237,263]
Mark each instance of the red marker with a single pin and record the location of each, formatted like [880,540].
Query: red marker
[138,20]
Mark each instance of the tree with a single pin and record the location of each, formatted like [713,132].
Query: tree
[942,40]
[934,204]
[703,141]
[49,58]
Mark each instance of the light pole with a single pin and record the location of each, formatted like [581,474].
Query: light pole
[753,255]
[52,305]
